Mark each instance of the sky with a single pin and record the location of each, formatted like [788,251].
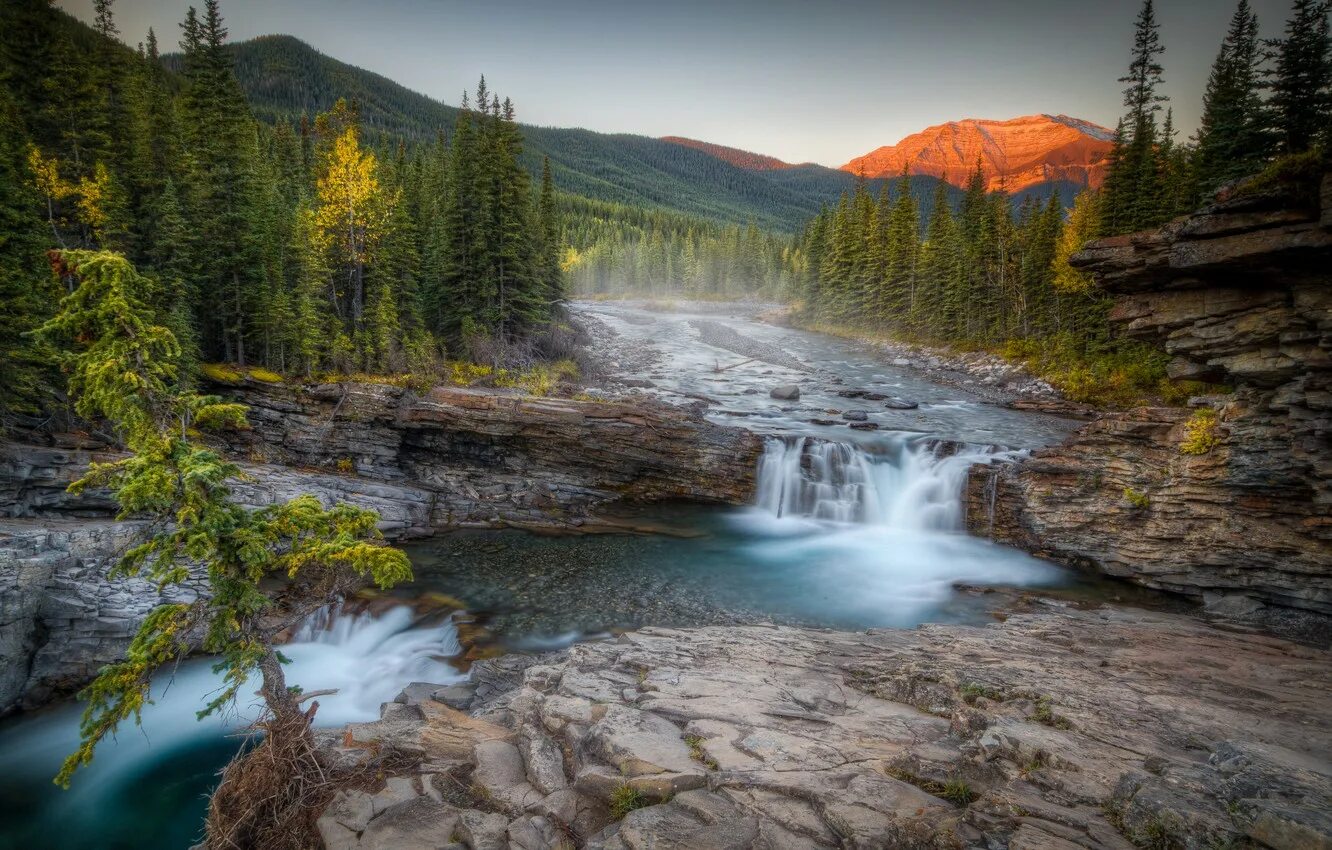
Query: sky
[803,80]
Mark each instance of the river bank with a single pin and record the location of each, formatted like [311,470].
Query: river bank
[1056,728]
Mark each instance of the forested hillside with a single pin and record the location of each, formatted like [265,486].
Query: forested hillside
[284,79]
[260,245]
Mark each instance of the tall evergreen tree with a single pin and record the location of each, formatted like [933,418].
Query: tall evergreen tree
[1136,177]
[1301,79]
[1230,138]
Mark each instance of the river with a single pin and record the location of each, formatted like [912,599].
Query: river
[849,529]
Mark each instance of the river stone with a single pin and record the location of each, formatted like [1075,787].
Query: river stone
[865,426]
[421,822]
[545,762]
[900,404]
[537,833]
[785,392]
[455,696]
[855,415]
[638,742]
[482,830]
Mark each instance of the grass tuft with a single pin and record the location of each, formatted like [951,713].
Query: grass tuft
[626,799]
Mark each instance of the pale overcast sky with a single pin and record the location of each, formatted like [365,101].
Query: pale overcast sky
[796,79]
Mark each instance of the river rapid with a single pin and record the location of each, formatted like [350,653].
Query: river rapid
[849,528]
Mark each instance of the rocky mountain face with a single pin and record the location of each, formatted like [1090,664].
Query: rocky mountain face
[1229,502]
[1014,155]
[456,457]
[1052,730]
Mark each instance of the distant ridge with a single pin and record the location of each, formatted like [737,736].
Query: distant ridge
[740,158]
[1015,155]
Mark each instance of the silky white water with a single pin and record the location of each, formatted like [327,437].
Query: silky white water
[882,522]
[368,658]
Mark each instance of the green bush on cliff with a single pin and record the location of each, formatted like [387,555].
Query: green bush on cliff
[1200,430]
[1139,500]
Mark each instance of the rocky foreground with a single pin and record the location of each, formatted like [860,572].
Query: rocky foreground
[1054,729]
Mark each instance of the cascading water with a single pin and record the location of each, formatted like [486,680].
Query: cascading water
[368,658]
[878,524]
[903,482]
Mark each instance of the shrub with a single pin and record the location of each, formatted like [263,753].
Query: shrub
[1200,431]
[1140,501]
[1120,373]
[346,465]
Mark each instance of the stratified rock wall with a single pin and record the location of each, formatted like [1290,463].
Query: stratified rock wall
[456,457]
[1240,294]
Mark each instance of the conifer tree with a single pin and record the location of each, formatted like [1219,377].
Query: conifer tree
[122,369]
[1230,141]
[1301,79]
[1135,180]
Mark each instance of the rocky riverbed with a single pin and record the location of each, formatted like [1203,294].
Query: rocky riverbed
[1055,728]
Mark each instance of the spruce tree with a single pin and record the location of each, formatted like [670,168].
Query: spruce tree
[1301,79]
[1230,142]
[1135,179]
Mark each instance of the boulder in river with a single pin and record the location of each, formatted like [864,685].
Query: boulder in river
[786,392]
[865,426]
[855,415]
[900,404]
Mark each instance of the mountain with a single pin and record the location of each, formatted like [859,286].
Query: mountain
[285,78]
[743,159]
[1018,154]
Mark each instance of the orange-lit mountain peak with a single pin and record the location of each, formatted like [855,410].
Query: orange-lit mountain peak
[1013,154]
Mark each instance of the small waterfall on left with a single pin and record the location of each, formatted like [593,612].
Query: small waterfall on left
[368,657]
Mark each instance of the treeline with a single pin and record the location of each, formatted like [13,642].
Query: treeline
[980,275]
[614,249]
[986,275]
[299,247]
[1265,100]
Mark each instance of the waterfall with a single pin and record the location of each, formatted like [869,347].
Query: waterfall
[904,482]
[368,658]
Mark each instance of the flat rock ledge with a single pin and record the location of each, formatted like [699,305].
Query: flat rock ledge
[1055,729]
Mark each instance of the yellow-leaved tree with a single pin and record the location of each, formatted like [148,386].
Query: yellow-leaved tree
[351,212]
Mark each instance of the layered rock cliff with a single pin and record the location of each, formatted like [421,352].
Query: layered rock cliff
[455,457]
[1229,502]
[1013,154]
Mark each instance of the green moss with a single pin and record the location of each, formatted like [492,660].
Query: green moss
[1045,714]
[267,376]
[222,373]
[972,691]
[1200,430]
[1298,173]
[626,799]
